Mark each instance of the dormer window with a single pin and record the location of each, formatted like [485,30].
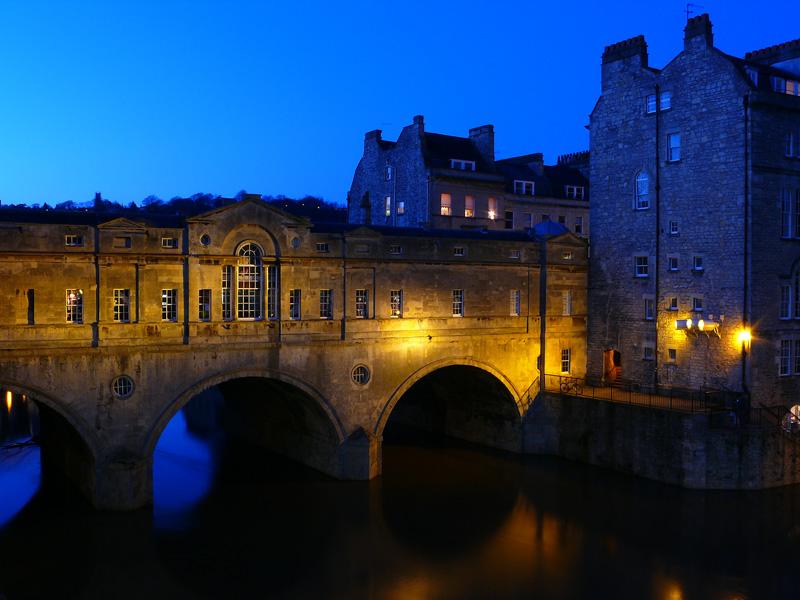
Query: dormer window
[462,165]
[753,74]
[74,240]
[170,243]
[778,84]
[575,191]
[523,187]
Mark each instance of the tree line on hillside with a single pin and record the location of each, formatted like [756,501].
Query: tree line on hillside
[313,207]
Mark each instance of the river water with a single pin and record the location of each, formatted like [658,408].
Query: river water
[445,520]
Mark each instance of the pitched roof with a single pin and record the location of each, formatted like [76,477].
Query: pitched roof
[440,149]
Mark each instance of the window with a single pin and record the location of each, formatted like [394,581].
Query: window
[753,73]
[523,187]
[642,191]
[665,101]
[272,292]
[566,304]
[205,240]
[672,262]
[362,302]
[458,251]
[792,87]
[294,305]
[567,255]
[389,173]
[122,242]
[248,283]
[492,208]
[641,266]
[673,228]
[227,286]
[575,191]
[395,249]
[74,306]
[469,206]
[566,360]
[672,355]
[673,303]
[789,148]
[360,375]
[396,303]
[562,219]
[401,207]
[514,309]
[171,243]
[786,356]
[463,165]
[778,84]
[578,225]
[648,353]
[458,303]
[445,204]
[169,305]
[649,310]
[650,104]
[74,240]
[527,219]
[122,306]
[797,357]
[204,305]
[513,254]
[122,386]
[387,202]
[326,304]
[786,301]
[786,212]
[509,219]
[323,247]
[31,306]
[797,295]
[697,263]
[697,304]
[673,147]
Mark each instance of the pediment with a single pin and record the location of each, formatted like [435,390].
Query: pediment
[364,232]
[251,210]
[122,223]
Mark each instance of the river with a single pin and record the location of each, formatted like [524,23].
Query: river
[445,520]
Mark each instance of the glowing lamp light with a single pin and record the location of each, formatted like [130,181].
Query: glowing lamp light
[744,338]
[8,400]
[683,324]
[706,325]
[491,214]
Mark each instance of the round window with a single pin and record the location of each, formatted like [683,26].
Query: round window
[295,242]
[360,375]
[205,239]
[122,386]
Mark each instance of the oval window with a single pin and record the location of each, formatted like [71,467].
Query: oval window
[360,375]
[205,239]
[122,386]
[295,242]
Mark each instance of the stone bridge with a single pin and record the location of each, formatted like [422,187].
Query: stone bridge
[315,335]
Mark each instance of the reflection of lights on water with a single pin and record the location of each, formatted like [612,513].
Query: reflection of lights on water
[9,398]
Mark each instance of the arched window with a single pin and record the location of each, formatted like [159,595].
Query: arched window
[642,191]
[248,283]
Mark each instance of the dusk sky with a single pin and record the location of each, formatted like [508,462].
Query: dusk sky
[173,98]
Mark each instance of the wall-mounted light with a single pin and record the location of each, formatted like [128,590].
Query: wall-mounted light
[684,324]
[744,338]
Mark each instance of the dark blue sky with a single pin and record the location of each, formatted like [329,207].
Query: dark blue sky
[173,98]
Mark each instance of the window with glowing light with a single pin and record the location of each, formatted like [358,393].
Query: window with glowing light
[566,360]
[469,206]
[387,201]
[248,283]
[362,304]
[122,306]
[74,306]
[492,208]
[396,303]
[444,204]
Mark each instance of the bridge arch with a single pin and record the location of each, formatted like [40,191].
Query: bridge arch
[438,365]
[321,405]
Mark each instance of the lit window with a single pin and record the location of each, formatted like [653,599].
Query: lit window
[673,263]
[649,309]
[122,306]
[642,191]
[74,306]
[463,165]
[362,304]
[566,304]
[248,283]
[396,303]
[326,304]
[575,191]
[792,87]
[514,310]
[323,247]
[294,304]
[171,243]
[578,225]
[169,305]
[650,104]
[74,240]
[445,204]
[665,101]
[697,263]
[673,147]
[786,356]
[673,228]
[697,304]
[458,303]
[458,251]
[401,207]
[642,266]
[509,219]
[673,303]
[567,255]
[523,187]
[672,355]
[492,208]
[786,301]
[204,305]
[388,205]
[566,360]
[469,206]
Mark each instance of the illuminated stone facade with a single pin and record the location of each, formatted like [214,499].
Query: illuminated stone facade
[695,198]
[452,182]
[312,331]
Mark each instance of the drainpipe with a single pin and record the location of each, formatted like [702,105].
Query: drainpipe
[745,297]
[656,356]
[542,310]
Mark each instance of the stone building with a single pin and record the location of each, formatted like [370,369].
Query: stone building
[451,182]
[695,207]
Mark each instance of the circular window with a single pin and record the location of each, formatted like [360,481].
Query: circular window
[295,242]
[360,374]
[205,239]
[122,386]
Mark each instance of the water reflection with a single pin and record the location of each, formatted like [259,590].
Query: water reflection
[444,521]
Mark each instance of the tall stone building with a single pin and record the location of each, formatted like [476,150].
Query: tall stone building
[451,182]
[696,219]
